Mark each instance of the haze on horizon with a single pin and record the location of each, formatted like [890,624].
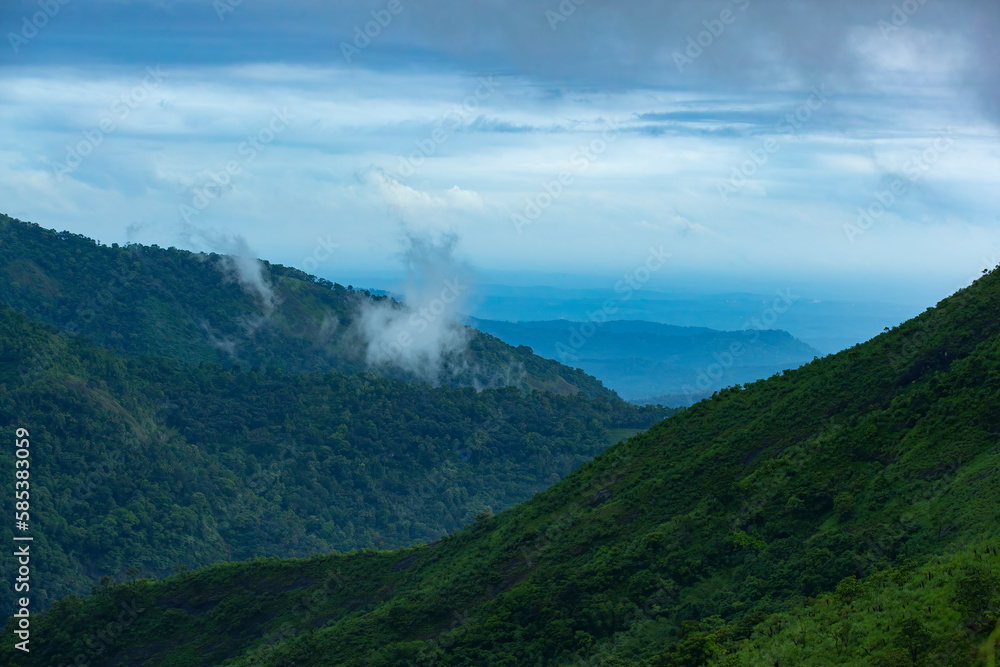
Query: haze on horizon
[849,148]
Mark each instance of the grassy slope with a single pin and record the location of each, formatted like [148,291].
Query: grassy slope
[142,462]
[174,303]
[942,612]
[669,548]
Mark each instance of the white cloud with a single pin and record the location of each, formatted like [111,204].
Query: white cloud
[306,184]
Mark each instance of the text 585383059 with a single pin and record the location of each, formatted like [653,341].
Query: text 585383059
[22,517]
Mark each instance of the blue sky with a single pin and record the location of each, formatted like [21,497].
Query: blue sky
[851,148]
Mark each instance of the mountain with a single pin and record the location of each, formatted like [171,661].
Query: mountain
[657,363]
[828,325]
[144,462]
[844,512]
[241,312]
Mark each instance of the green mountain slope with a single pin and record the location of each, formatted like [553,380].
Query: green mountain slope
[940,613]
[676,547]
[192,307]
[142,462]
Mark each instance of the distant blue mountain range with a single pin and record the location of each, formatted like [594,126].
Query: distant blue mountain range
[827,325]
[652,362]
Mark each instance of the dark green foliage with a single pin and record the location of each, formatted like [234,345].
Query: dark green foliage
[915,639]
[978,596]
[720,535]
[142,465]
[904,616]
[695,646]
[190,307]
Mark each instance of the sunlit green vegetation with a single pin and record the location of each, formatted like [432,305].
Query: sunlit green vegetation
[147,463]
[842,513]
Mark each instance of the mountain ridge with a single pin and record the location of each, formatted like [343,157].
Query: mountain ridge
[641,359]
[150,463]
[211,308]
[696,542]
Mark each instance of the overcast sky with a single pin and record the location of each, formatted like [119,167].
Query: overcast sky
[554,141]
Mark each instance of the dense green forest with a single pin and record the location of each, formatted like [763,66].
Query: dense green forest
[142,462]
[190,306]
[846,512]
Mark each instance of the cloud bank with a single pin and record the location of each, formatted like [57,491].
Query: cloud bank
[700,89]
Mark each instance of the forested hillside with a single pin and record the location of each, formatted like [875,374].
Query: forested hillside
[842,513]
[148,463]
[197,307]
